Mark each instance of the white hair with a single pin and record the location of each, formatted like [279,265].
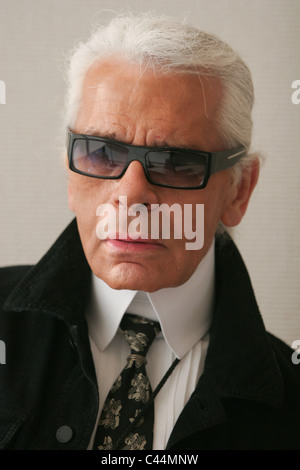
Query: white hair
[166,45]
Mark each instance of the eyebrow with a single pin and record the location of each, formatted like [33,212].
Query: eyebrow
[92,131]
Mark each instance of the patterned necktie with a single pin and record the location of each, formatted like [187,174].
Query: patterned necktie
[127,417]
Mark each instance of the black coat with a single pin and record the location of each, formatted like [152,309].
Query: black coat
[247,398]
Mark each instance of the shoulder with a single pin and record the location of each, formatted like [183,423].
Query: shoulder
[282,350]
[288,361]
[9,278]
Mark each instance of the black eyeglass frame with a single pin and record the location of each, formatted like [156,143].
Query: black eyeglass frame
[215,161]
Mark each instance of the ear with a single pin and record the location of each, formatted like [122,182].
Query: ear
[237,207]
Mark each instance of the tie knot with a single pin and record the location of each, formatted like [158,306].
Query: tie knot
[139,333]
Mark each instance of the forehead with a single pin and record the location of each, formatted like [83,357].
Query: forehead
[133,105]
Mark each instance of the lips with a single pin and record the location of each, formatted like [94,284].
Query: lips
[127,243]
[139,239]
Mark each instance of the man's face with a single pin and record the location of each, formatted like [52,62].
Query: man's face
[150,110]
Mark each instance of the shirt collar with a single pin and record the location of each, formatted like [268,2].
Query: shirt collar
[184,312]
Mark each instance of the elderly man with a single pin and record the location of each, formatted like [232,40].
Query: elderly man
[134,341]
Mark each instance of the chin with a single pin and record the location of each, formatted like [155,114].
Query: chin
[131,285]
[128,283]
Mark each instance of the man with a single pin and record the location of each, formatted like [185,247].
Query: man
[157,113]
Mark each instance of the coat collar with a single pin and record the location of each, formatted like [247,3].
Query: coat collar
[240,362]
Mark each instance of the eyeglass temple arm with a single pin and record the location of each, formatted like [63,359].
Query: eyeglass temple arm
[226,159]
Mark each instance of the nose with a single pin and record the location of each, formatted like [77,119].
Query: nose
[135,186]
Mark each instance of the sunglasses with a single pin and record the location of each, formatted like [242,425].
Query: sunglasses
[176,168]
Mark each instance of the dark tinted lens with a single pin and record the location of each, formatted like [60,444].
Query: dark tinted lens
[180,169]
[98,158]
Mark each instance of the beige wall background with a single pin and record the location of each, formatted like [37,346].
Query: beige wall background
[35,36]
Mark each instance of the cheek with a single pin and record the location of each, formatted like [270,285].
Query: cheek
[85,194]
[217,196]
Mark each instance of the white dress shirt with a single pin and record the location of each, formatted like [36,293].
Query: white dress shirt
[184,314]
